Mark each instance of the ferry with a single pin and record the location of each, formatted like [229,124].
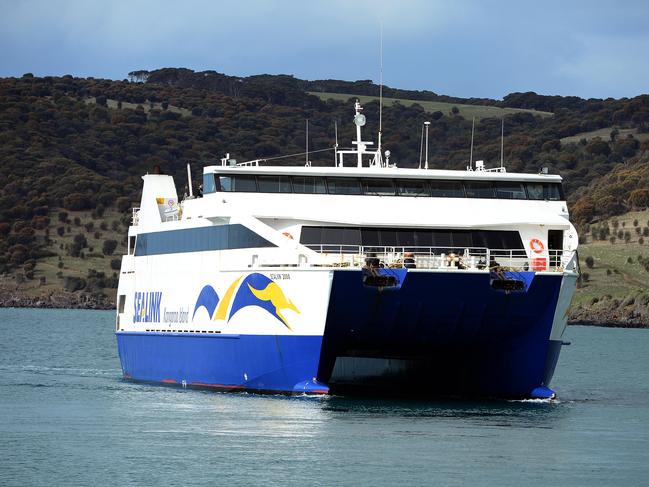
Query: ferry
[360,276]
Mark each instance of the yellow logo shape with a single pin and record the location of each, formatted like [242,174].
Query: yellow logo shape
[275,295]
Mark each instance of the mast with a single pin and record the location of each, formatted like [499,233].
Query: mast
[380,90]
[471,154]
[359,140]
[427,124]
[306,154]
[502,143]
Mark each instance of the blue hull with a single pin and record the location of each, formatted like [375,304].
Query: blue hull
[256,362]
[433,333]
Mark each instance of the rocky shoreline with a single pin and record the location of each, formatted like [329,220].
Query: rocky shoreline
[623,317]
[57,301]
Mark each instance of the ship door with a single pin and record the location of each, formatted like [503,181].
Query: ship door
[555,246]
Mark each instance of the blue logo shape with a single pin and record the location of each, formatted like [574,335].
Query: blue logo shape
[259,290]
[207,299]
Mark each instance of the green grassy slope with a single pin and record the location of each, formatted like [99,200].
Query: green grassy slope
[465,111]
[616,275]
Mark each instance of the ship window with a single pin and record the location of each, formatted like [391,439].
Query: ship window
[131,244]
[442,238]
[479,189]
[510,191]
[337,239]
[239,183]
[120,303]
[274,184]
[209,186]
[311,235]
[552,192]
[343,186]
[447,189]
[309,185]
[341,239]
[544,191]
[378,187]
[406,238]
[218,237]
[535,191]
[462,238]
[413,187]
[370,236]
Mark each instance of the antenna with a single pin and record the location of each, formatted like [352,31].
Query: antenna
[336,144]
[471,155]
[421,146]
[427,124]
[189,181]
[381,83]
[502,142]
[306,154]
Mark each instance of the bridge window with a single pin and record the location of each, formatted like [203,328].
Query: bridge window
[274,184]
[413,187]
[378,187]
[309,185]
[544,191]
[209,186]
[479,189]
[239,183]
[510,191]
[343,186]
[447,189]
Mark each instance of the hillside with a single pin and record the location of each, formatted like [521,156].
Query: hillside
[465,111]
[614,286]
[72,151]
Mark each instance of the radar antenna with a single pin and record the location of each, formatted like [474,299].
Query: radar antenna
[380,87]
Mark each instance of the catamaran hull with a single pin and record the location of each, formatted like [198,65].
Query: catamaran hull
[435,333]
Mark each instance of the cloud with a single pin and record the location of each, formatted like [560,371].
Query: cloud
[464,48]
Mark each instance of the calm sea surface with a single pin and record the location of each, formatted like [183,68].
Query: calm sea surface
[68,418]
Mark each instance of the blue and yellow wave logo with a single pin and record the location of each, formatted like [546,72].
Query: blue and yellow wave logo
[255,290]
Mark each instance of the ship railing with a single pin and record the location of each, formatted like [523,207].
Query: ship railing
[446,257]
[135,218]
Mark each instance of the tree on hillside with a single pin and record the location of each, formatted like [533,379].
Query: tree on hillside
[109,246]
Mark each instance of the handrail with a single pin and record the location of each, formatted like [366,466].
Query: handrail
[445,257]
[135,217]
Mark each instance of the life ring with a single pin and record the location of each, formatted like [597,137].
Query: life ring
[536,245]
[286,234]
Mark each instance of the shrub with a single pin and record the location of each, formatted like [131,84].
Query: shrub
[109,246]
[590,262]
[115,264]
[123,204]
[72,284]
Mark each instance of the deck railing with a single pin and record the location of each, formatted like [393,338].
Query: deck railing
[449,258]
[135,218]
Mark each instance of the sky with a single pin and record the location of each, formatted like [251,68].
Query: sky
[465,48]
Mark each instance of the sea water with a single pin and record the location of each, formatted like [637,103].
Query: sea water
[68,418]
